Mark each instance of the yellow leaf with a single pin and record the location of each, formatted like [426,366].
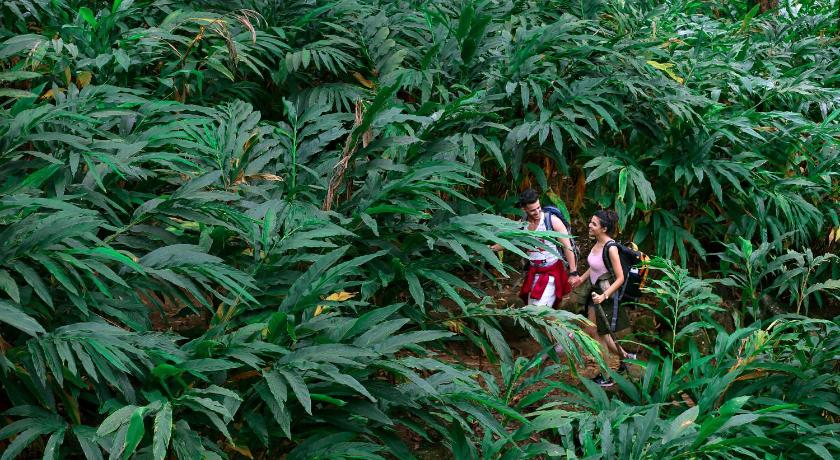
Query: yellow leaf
[48,95]
[242,450]
[454,326]
[265,176]
[671,41]
[340,296]
[334,297]
[660,65]
[83,79]
[666,67]
[364,81]
[67,76]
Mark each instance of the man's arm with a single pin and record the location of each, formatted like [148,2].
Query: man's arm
[558,226]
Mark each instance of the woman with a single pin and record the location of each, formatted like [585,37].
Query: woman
[602,309]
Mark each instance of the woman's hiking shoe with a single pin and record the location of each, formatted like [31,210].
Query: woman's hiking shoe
[602,382]
[622,366]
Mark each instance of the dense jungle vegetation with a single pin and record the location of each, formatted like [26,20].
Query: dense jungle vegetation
[310,186]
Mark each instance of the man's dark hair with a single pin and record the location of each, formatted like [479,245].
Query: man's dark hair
[527,197]
[608,219]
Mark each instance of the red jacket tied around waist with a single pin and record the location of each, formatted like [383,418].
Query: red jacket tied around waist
[535,291]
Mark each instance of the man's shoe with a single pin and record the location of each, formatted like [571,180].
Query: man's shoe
[602,382]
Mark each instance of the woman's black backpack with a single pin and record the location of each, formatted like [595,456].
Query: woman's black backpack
[634,264]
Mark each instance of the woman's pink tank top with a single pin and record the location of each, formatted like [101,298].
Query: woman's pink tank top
[596,265]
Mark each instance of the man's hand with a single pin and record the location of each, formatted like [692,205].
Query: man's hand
[575,281]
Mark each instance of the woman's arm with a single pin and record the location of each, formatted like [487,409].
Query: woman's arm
[619,276]
[579,280]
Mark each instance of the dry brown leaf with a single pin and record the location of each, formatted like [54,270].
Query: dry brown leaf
[49,94]
[364,81]
[83,79]
[265,176]
[454,326]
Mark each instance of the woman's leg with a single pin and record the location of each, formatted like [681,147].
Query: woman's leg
[614,347]
[593,332]
[607,343]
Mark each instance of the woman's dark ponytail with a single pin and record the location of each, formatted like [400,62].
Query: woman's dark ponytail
[608,219]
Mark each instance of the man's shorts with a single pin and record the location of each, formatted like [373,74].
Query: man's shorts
[548,296]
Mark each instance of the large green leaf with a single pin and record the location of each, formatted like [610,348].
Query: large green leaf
[15,317]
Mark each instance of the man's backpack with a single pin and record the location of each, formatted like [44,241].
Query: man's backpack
[552,211]
[634,264]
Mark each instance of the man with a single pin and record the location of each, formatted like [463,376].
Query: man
[547,280]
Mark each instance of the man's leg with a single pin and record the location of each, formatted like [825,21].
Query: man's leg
[548,296]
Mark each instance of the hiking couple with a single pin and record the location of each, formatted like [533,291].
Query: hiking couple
[550,279]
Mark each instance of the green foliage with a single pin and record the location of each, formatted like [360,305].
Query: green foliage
[684,304]
[762,272]
[766,389]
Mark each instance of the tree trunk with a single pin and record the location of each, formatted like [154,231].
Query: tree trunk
[767,5]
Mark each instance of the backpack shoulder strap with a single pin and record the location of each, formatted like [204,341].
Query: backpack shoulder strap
[624,269]
[552,211]
[605,256]
[549,227]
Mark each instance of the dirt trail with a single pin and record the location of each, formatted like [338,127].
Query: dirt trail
[522,345]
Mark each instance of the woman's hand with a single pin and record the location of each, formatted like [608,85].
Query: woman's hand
[598,298]
[575,281]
